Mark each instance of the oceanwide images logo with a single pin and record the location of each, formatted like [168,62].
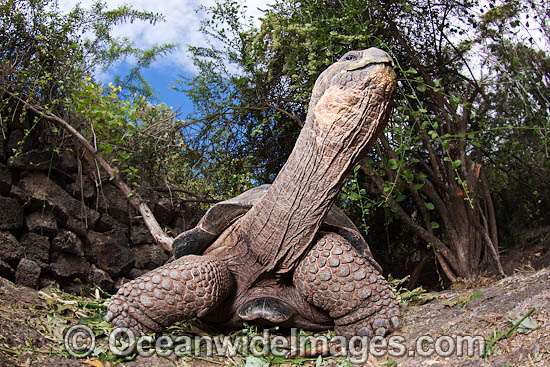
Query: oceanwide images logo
[80,342]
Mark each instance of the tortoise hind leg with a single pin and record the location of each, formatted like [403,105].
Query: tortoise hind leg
[185,288]
[335,278]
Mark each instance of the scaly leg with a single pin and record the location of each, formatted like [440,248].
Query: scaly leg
[335,278]
[185,288]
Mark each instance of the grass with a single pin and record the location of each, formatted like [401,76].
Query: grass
[59,310]
[525,323]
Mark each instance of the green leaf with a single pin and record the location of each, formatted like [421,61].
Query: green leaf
[418,186]
[526,326]
[252,361]
[408,175]
[392,163]
[435,225]
[319,361]
[389,363]
[457,163]
[429,206]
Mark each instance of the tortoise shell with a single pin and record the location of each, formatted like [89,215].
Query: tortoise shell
[220,216]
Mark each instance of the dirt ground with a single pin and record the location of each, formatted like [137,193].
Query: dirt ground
[32,325]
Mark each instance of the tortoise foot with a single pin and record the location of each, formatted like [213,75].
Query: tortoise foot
[370,320]
[185,288]
[335,278]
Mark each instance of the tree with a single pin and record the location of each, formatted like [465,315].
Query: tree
[430,167]
[514,37]
[46,65]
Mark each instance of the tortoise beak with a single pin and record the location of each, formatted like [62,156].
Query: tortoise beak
[371,56]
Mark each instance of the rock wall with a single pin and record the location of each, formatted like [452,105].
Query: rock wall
[62,221]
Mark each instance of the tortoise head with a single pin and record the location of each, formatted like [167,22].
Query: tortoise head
[351,99]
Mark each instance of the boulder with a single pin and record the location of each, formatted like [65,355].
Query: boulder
[111,252]
[34,159]
[11,213]
[77,287]
[10,248]
[67,209]
[113,202]
[67,241]
[107,223]
[119,282]
[36,248]
[78,226]
[20,121]
[68,266]
[6,270]
[164,211]
[68,162]
[43,223]
[6,179]
[148,193]
[2,147]
[149,256]
[27,273]
[19,194]
[47,282]
[100,278]
[139,234]
[84,188]
[17,136]
[136,273]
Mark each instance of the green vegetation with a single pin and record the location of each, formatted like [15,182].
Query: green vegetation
[522,325]
[461,301]
[47,62]
[472,105]
[461,168]
[405,297]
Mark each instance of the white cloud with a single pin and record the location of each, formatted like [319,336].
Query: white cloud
[181,26]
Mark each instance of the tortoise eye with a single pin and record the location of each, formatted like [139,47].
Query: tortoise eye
[350,57]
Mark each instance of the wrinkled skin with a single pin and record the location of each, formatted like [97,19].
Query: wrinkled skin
[273,265]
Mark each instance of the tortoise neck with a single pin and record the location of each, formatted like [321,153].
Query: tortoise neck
[281,226]
[285,220]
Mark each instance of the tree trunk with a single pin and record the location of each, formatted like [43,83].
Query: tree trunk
[466,233]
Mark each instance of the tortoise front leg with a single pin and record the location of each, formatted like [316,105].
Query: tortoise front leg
[335,278]
[185,288]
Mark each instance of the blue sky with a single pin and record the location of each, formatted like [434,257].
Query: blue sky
[181,28]
[162,79]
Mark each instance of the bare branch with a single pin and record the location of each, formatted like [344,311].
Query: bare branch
[162,239]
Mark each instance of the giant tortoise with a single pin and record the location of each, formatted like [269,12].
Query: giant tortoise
[283,254]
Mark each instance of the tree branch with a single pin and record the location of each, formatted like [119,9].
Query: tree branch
[162,239]
[442,251]
[487,238]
